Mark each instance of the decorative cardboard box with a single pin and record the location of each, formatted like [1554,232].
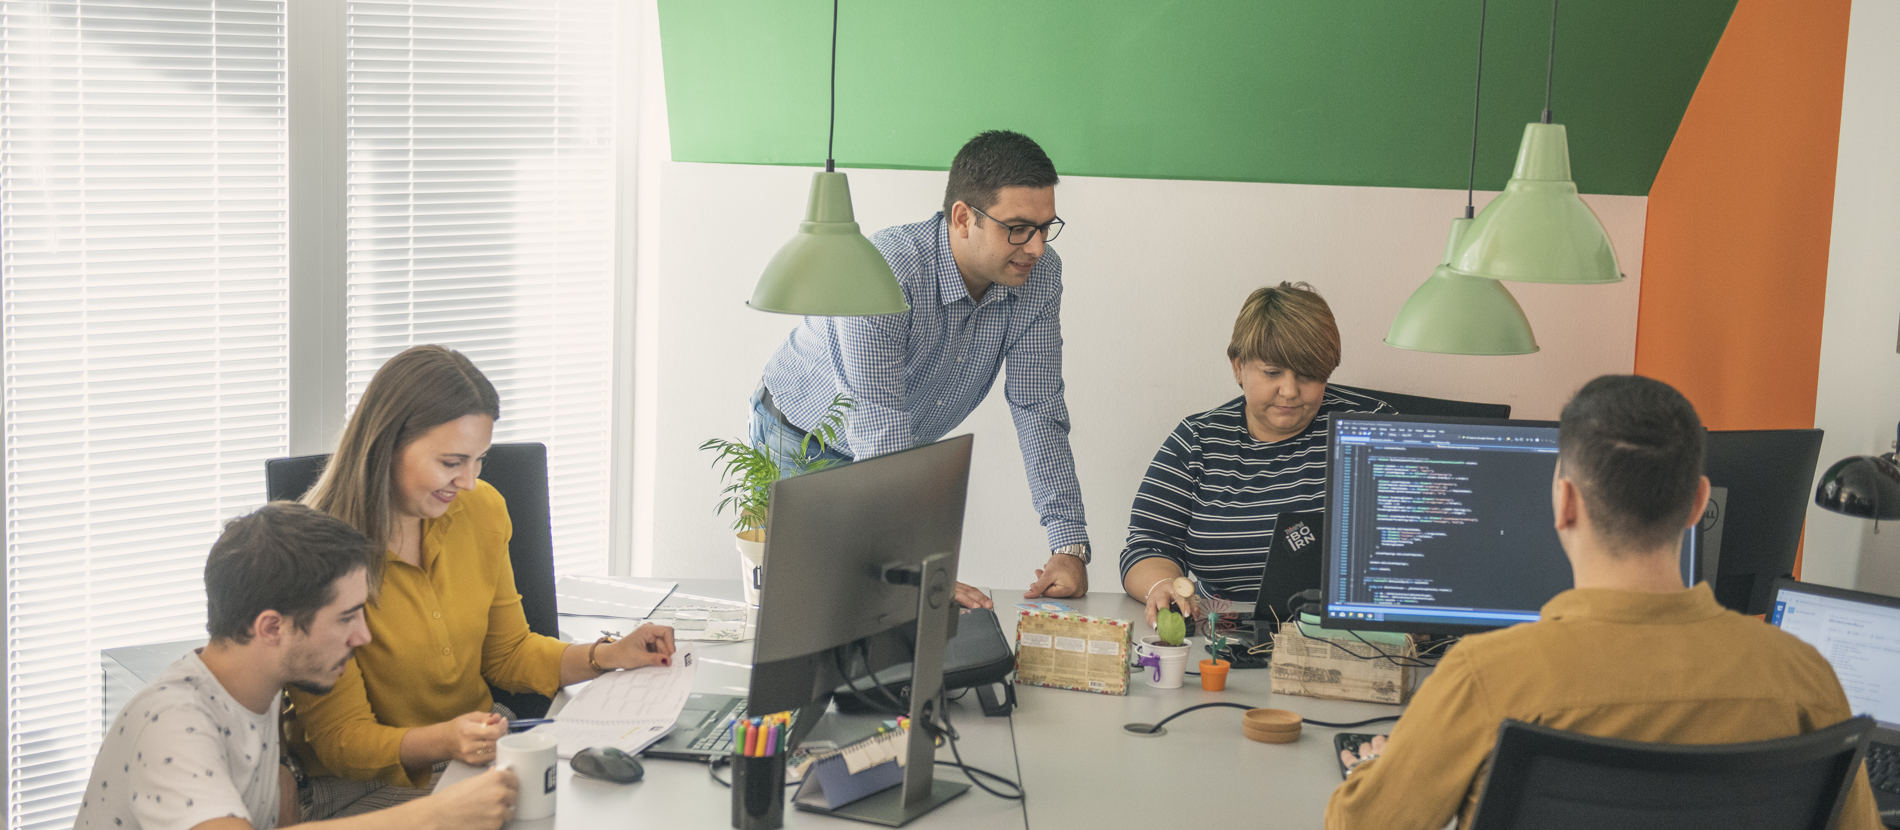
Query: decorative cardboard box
[1328,668]
[1068,650]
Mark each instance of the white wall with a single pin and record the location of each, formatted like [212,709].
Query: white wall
[1858,401]
[1146,316]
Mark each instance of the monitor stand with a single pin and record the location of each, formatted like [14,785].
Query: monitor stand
[921,791]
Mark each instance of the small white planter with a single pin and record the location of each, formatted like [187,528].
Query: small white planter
[1161,666]
[752,563]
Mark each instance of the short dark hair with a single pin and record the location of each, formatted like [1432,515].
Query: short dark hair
[284,557]
[992,161]
[1633,446]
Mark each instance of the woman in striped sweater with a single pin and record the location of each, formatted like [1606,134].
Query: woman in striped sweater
[1209,501]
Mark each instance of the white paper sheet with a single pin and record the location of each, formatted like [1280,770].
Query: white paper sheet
[610,596]
[626,710]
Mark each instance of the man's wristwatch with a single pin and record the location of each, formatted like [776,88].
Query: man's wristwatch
[1079,550]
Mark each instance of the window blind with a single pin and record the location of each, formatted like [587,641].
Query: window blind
[481,216]
[142,274]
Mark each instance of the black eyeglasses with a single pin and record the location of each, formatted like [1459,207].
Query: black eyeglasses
[1020,234]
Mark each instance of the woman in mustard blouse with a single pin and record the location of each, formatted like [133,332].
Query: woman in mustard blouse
[447,620]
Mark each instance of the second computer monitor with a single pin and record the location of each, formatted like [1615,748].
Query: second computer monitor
[1443,525]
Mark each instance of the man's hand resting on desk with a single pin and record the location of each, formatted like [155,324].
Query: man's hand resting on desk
[970,596]
[1062,576]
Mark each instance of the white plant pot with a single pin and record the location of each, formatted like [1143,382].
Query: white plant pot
[751,563]
[1172,662]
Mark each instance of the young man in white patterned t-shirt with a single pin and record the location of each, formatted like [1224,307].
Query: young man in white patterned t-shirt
[285,591]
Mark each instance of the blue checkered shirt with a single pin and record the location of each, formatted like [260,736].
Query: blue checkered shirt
[916,376]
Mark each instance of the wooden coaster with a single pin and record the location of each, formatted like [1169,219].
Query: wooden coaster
[1271,726]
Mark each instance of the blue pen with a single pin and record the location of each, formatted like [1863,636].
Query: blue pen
[528,723]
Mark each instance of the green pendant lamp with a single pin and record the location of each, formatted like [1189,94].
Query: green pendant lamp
[1538,229]
[829,268]
[1454,313]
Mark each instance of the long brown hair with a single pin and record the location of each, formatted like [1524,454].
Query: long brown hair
[416,391]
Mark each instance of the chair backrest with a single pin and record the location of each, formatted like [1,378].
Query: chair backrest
[519,472]
[1555,780]
[1441,407]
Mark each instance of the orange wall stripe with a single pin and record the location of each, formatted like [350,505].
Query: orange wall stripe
[1735,247]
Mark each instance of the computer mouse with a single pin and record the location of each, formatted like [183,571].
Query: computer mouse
[607,764]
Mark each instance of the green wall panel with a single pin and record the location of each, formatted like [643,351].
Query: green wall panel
[1338,92]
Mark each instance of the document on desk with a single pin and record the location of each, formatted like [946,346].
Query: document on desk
[627,710]
[610,596]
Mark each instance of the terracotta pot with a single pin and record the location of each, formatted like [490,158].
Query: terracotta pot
[1214,675]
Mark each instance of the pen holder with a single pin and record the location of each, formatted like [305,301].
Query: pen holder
[758,792]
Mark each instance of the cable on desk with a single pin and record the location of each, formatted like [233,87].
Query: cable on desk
[970,772]
[1223,705]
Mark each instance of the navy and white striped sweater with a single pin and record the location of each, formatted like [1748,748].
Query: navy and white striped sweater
[1213,493]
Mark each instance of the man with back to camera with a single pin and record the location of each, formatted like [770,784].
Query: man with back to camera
[984,290]
[1628,653]
[285,591]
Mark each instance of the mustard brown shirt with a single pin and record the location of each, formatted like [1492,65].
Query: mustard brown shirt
[1672,668]
[440,634]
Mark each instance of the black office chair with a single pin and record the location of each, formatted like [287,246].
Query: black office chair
[1555,780]
[519,472]
[1441,407]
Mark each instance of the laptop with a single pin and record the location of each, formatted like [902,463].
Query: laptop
[701,732]
[1859,634]
[1293,564]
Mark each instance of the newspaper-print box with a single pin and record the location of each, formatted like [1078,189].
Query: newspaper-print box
[1341,670]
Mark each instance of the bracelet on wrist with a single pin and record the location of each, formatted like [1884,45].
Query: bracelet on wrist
[595,664]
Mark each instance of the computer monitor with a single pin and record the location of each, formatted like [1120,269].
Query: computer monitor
[1443,525]
[853,552]
[1759,484]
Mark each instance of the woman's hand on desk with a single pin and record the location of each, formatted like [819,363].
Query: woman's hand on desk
[648,645]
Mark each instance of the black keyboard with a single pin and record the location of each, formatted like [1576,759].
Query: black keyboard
[718,735]
[1883,768]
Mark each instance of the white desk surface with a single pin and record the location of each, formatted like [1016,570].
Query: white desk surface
[1067,748]
[1082,770]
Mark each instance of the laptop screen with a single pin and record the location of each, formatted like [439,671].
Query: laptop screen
[1858,633]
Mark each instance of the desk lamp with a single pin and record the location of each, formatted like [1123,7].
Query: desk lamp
[1867,486]
[829,268]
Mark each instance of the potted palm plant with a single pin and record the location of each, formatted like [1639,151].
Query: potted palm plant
[748,473]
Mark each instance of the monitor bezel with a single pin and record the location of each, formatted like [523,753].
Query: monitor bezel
[1333,536]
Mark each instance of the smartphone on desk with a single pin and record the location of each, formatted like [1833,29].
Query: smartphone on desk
[1345,742]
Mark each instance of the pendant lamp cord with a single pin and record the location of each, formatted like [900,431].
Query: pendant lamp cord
[832,131]
[1477,97]
[1550,70]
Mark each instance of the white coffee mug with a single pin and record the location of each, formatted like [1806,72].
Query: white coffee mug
[532,758]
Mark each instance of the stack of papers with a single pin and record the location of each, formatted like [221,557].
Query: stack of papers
[627,710]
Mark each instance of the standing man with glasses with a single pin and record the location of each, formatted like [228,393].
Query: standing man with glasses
[985,292]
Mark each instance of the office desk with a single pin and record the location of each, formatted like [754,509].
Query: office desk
[1081,770]
[678,794]
[1067,748]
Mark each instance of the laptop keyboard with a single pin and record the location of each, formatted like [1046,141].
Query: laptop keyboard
[1883,767]
[718,737]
